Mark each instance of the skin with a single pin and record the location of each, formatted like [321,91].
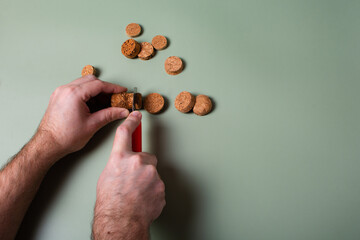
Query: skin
[65,128]
[130,193]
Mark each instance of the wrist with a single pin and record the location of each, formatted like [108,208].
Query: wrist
[114,223]
[118,227]
[44,145]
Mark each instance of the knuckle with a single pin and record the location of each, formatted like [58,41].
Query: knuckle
[148,155]
[113,167]
[116,156]
[154,159]
[64,91]
[57,91]
[164,203]
[90,77]
[137,160]
[69,90]
[151,170]
[161,187]
[123,130]
[98,82]
[121,155]
[151,157]
[108,116]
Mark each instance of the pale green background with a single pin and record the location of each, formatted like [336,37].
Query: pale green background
[278,158]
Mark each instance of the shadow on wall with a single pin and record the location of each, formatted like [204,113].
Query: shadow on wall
[178,215]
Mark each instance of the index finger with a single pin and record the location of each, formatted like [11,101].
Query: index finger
[93,88]
[123,137]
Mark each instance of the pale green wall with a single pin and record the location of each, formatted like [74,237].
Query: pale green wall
[278,158]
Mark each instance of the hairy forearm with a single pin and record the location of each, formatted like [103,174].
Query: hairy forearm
[21,178]
[110,226]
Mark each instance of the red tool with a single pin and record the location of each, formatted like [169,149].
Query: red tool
[136,136]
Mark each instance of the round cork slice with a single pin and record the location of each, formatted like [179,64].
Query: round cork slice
[154,103]
[133,30]
[88,70]
[173,65]
[203,105]
[184,102]
[147,51]
[159,42]
[130,48]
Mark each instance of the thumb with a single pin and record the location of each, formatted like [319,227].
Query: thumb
[103,117]
[123,136]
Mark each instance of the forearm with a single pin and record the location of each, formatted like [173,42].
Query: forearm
[108,225]
[20,180]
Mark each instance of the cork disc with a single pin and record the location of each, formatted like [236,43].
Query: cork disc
[159,42]
[133,30]
[88,70]
[203,105]
[146,52]
[184,102]
[130,48]
[125,100]
[154,103]
[173,65]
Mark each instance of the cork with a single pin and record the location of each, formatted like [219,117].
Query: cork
[133,30]
[154,103]
[173,65]
[159,42]
[125,100]
[88,70]
[184,102]
[130,48]
[203,105]
[147,51]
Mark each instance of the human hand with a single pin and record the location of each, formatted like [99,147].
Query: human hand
[68,120]
[130,193]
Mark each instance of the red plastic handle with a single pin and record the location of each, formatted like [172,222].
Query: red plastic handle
[136,140]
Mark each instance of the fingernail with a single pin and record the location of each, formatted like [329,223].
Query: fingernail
[136,114]
[124,113]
